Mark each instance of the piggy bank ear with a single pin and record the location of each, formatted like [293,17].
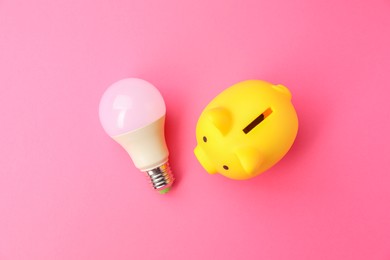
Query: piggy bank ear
[283,90]
[250,159]
[220,117]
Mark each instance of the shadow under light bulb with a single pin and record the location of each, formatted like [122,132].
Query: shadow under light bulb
[132,112]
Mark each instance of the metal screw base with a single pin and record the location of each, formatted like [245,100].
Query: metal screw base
[161,177]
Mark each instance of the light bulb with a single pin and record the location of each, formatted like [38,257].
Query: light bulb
[132,112]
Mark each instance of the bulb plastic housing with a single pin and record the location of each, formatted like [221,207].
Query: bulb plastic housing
[132,112]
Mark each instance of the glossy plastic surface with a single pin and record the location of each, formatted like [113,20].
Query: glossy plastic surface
[246,129]
[130,104]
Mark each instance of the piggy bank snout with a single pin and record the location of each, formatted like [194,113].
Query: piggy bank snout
[204,160]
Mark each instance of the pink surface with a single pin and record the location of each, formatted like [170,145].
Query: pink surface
[67,191]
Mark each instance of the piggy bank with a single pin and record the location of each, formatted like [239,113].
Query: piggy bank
[246,129]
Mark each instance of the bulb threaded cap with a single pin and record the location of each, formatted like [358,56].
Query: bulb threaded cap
[161,178]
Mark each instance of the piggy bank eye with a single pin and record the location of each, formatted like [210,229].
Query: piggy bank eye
[205,139]
[225,167]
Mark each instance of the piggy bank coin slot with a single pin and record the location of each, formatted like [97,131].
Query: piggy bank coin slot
[257,120]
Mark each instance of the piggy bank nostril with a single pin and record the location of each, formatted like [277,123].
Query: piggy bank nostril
[225,167]
[205,139]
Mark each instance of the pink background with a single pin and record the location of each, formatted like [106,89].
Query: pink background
[67,191]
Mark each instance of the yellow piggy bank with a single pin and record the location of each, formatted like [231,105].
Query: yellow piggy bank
[246,129]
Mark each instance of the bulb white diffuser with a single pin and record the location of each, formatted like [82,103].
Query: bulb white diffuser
[132,112]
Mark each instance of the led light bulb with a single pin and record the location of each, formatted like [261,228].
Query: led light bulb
[132,112]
